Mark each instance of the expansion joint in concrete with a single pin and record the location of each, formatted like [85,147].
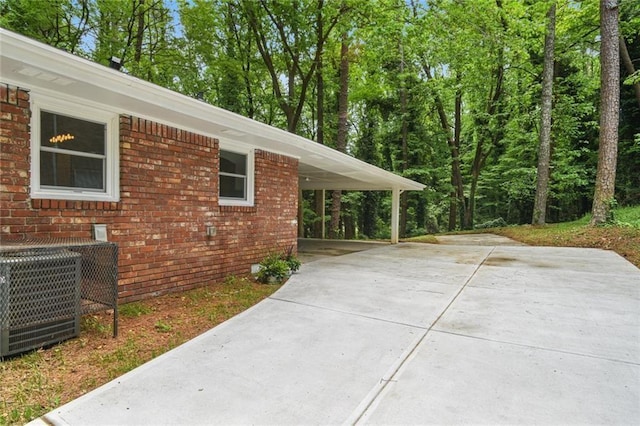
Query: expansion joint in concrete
[410,353]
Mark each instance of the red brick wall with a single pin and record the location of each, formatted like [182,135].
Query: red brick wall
[14,160]
[169,195]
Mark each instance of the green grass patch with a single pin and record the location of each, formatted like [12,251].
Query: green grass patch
[621,236]
[19,406]
[627,216]
[162,326]
[134,309]
[123,359]
[91,323]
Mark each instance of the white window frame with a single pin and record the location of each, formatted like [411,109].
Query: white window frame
[81,111]
[249,200]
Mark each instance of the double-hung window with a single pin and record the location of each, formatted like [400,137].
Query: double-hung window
[236,177]
[74,152]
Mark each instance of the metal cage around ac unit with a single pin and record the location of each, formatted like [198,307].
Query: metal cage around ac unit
[47,285]
[39,298]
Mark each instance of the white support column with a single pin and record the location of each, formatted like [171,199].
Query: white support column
[323,212]
[300,215]
[395,215]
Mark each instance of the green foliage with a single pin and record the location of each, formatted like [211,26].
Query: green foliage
[231,280]
[628,216]
[93,323]
[124,359]
[133,309]
[162,326]
[60,23]
[273,268]
[495,223]
[292,260]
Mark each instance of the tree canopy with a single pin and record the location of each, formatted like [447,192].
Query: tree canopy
[444,92]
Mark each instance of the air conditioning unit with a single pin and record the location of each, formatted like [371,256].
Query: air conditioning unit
[39,298]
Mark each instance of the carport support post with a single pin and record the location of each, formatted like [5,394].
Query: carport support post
[395,214]
[300,214]
[324,205]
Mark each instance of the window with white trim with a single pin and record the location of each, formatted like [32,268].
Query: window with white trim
[74,152]
[236,177]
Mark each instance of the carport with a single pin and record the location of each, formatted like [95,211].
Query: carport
[332,170]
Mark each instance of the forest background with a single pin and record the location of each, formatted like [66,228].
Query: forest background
[444,92]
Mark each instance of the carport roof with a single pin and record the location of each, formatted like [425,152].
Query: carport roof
[44,69]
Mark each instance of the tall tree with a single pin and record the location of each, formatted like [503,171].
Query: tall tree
[609,104]
[139,32]
[544,147]
[318,195]
[631,70]
[59,23]
[221,60]
[627,176]
[488,136]
[343,129]
[289,48]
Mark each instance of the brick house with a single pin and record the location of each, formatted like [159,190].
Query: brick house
[189,192]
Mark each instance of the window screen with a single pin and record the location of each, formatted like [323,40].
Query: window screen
[72,152]
[233,175]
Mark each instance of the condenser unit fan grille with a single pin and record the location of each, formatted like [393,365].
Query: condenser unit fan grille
[39,298]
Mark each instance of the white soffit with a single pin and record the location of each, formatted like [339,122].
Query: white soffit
[42,68]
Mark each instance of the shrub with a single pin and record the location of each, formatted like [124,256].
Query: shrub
[495,223]
[291,259]
[273,268]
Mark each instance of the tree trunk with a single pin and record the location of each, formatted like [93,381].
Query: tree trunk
[137,54]
[628,65]
[318,194]
[603,197]
[485,132]
[454,146]
[544,149]
[467,222]
[349,225]
[404,134]
[334,224]
[318,207]
[343,127]
[456,197]
[370,199]
[453,206]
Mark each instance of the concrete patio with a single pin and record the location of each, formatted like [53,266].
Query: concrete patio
[406,334]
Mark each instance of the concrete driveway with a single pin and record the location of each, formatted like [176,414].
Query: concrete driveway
[407,334]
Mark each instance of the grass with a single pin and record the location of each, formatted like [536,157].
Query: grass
[621,236]
[133,309]
[627,217]
[39,381]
